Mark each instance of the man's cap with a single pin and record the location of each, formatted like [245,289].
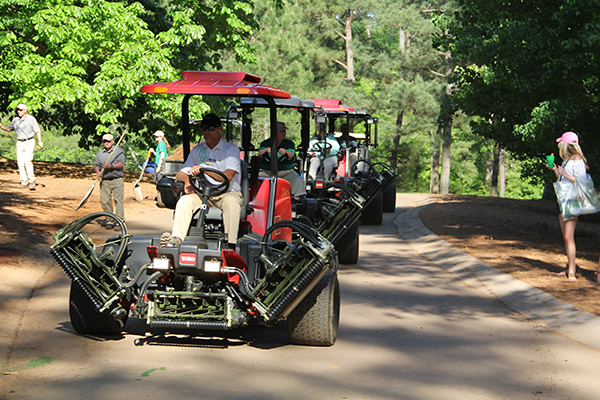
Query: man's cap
[210,121]
[159,134]
[107,137]
[569,138]
[281,126]
[21,107]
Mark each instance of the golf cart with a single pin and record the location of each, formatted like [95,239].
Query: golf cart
[309,210]
[281,269]
[354,159]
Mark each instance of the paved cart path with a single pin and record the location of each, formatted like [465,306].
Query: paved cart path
[413,325]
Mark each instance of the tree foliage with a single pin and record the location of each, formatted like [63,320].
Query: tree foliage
[529,72]
[80,64]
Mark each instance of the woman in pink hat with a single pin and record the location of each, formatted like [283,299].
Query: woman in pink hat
[574,165]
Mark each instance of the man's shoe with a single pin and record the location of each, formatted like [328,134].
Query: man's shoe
[21,186]
[109,225]
[32,186]
[167,240]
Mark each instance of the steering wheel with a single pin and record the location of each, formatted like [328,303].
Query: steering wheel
[367,169]
[322,146]
[281,158]
[203,186]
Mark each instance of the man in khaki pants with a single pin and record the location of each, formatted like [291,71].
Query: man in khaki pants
[217,154]
[26,128]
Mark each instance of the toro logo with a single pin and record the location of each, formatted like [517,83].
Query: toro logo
[187,258]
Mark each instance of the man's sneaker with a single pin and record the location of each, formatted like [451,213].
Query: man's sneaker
[109,225]
[32,186]
[167,240]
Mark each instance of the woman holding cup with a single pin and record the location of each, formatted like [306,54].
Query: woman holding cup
[574,165]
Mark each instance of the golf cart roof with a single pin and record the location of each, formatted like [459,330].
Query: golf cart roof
[216,84]
[292,102]
[332,105]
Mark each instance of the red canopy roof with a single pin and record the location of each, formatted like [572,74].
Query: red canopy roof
[217,84]
[331,105]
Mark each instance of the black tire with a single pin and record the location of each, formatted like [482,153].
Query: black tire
[86,319]
[373,212]
[389,199]
[315,321]
[347,245]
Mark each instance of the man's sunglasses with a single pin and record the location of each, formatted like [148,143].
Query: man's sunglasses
[209,129]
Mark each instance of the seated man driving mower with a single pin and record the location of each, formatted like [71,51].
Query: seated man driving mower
[218,155]
[286,153]
[323,149]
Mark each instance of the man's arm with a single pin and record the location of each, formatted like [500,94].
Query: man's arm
[39,137]
[185,178]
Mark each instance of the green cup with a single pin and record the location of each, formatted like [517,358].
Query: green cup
[550,161]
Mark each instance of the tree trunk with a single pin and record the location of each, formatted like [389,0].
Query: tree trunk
[447,142]
[434,176]
[402,40]
[501,173]
[495,163]
[349,54]
[396,142]
[489,164]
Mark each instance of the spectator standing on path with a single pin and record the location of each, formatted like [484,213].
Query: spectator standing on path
[26,128]
[161,153]
[109,168]
[574,165]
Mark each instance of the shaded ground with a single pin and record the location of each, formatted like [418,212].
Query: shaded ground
[519,237]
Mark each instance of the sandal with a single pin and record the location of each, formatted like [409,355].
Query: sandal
[572,276]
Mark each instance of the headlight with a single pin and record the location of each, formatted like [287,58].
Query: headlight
[163,264]
[212,266]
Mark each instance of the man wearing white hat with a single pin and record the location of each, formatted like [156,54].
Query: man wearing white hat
[109,165]
[26,128]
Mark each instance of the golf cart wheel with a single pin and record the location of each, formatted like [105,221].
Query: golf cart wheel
[389,199]
[373,212]
[347,245]
[315,321]
[87,320]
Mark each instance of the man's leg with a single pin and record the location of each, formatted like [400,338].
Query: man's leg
[328,166]
[28,162]
[118,191]
[231,205]
[315,162]
[184,211]
[105,196]
[21,158]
